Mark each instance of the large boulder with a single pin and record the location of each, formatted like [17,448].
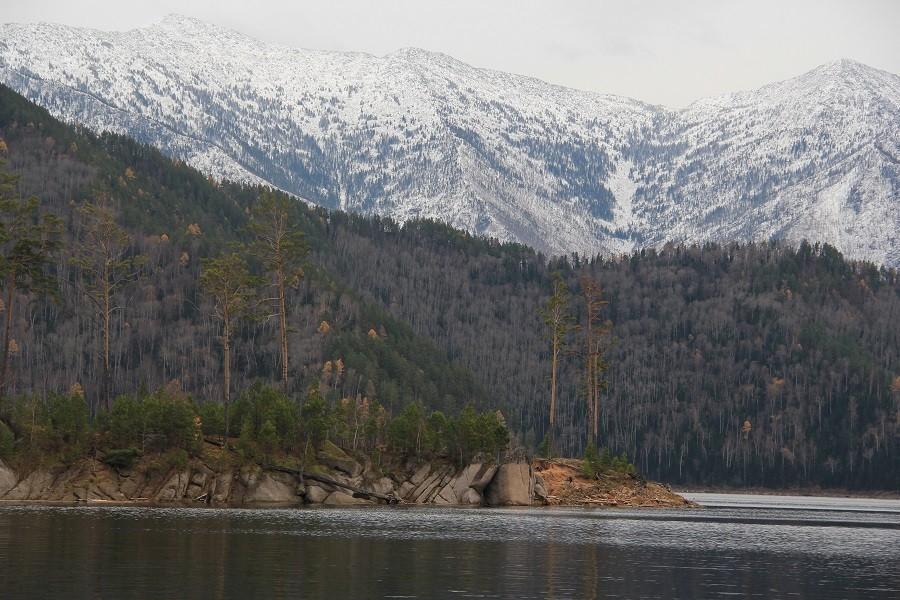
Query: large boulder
[8,479]
[406,489]
[382,485]
[221,487]
[315,494]
[131,484]
[426,491]
[106,487]
[175,488]
[200,481]
[333,457]
[540,490]
[32,487]
[343,478]
[472,497]
[338,498]
[421,473]
[512,485]
[249,476]
[484,478]
[456,491]
[272,488]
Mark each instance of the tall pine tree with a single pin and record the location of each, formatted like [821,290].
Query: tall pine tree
[556,317]
[227,281]
[279,246]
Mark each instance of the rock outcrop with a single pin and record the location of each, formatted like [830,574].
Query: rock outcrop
[35,486]
[273,487]
[316,494]
[338,498]
[459,489]
[513,485]
[334,458]
[563,483]
[8,479]
[340,479]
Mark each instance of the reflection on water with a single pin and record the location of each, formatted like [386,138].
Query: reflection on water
[127,552]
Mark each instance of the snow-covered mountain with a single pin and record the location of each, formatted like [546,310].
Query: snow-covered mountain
[416,133]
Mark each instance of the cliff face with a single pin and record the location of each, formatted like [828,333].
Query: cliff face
[339,482]
[338,479]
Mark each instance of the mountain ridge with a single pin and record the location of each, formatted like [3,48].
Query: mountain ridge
[415,133]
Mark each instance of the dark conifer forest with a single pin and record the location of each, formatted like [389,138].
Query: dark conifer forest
[752,364]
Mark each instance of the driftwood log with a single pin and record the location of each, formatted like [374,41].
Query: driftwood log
[357,492]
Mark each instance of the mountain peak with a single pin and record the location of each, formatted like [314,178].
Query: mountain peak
[183,24]
[413,54]
[850,71]
[180,19]
[844,64]
[844,68]
[842,79]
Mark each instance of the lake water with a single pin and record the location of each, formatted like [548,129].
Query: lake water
[740,547]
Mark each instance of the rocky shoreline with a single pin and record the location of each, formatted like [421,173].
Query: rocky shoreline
[338,479]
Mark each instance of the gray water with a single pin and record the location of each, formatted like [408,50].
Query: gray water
[738,547]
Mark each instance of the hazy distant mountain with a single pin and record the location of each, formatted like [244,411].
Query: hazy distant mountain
[416,133]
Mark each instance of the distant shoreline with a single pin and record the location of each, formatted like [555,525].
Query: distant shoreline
[803,492]
[338,479]
[303,506]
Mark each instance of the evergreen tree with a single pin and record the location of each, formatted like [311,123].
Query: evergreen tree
[555,314]
[228,282]
[279,245]
[594,330]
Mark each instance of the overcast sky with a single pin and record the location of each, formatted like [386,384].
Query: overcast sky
[661,51]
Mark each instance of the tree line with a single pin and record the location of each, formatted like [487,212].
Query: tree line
[169,426]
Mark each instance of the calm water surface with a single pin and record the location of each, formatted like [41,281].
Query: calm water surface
[738,547]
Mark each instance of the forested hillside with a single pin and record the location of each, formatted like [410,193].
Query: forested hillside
[734,365]
[744,364]
[164,332]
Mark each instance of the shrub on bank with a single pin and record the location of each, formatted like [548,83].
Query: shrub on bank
[261,404]
[212,419]
[598,462]
[7,441]
[56,428]
[121,458]
[460,438]
[169,426]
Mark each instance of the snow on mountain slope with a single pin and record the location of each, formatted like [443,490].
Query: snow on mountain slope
[419,134]
[812,157]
